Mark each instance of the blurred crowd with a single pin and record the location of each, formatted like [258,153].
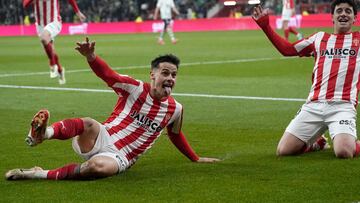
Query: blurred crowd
[11,11]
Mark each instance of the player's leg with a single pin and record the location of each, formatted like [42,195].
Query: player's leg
[161,37]
[170,31]
[285,24]
[47,37]
[345,146]
[86,128]
[304,133]
[342,127]
[96,167]
[289,144]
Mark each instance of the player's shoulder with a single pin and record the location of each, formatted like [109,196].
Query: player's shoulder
[173,101]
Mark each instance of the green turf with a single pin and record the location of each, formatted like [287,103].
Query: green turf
[244,133]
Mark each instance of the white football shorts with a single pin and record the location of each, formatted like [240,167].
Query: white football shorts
[53,28]
[287,14]
[103,147]
[314,118]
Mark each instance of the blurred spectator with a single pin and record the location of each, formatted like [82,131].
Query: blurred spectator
[11,11]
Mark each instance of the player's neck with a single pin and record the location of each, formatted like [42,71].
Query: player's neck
[342,31]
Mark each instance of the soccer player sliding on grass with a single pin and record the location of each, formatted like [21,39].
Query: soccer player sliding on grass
[333,97]
[143,110]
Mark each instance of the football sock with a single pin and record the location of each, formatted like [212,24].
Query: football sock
[56,59]
[66,129]
[357,149]
[50,53]
[171,33]
[161,34]
[57,62]
[318,145]
[70,171]
[286,33]
[293,30]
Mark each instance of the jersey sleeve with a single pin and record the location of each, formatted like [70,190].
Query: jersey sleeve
[281,44]
[114,80]
[74,5]
[176,121]
[177,137]
[306,47]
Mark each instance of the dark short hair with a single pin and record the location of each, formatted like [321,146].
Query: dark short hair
[170,58]
[337,2]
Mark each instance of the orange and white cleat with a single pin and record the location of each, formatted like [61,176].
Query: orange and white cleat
[38,127]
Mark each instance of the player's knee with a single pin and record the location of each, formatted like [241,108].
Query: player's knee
[344,153]
[281,151]
[44,41]
[89,123]
[96,169]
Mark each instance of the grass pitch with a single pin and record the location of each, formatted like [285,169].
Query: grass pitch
[243,132]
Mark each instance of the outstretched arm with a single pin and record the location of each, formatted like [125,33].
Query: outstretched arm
[80,15]
[175,11]
[183,146]
[262,19]
[99,66]
[156,13]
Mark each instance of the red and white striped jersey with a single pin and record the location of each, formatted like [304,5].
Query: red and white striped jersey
[288,4]
[47,11]
[137,119]
[337,66]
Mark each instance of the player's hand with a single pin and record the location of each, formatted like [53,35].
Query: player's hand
[81,16]
[207,160]
[87,49]
[259,12]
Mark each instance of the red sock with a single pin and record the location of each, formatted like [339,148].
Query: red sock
[56,60]
[357,149]
[50,53]
[70,171]
[68,128]
[293,30]
[286,33]
[306,149]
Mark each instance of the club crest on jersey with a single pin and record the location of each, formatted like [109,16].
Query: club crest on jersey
[338,53]
[146,122]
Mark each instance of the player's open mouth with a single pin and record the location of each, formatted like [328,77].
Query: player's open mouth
[167,88]
[343,20]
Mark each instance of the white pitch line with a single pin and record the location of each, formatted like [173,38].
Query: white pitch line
[148,66]
[175,94]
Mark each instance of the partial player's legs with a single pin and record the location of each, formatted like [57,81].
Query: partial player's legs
[346,146]
[87,130]
[46,37]
[287,29]
[289,144]
[96,167]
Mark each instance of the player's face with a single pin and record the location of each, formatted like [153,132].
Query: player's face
[343,18]
[163,80]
